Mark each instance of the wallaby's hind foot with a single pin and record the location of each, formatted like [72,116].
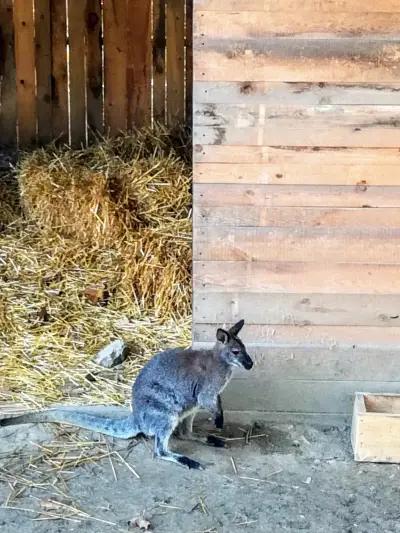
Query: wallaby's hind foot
[184,431]
[161,450]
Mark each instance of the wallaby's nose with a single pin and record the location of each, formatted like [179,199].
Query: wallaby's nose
[248,363]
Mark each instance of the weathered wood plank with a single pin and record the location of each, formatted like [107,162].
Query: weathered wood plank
[225,243]
[306,173]
[342,363]
[299,396]
[350,60]
[315,6]
[159,79]
[59,70]
[249,24]
[358,126]
[295,93]
[8,94]
[94,67]
[175,62]
[189,63]
[139,63]
[297,309]
[115,65]
[333,337]
[299,277]
[25,71]
[348,219]
[282,155]
[316,363]
[43,69]
[77,81]
[210,195]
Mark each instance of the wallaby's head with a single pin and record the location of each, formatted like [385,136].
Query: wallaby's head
[231,348]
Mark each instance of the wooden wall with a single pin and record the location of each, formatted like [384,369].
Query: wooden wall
[71,67]
[297,195]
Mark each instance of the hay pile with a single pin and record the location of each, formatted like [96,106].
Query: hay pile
[104,251]
[129,197]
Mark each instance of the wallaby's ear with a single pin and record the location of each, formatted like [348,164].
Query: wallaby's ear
[222,336]
[236,328]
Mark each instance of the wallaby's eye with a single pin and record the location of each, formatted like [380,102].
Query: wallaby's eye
[236,352]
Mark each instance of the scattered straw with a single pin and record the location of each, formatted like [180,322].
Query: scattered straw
[234,465]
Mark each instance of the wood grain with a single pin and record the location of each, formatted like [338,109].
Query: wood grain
[319,278]
[77,82]
[94,67]
[175,62]
[159,71]
[282,155]
[115,65]
[299,396]
[316,363]
[139,63]
[8,95]
[242,24]
[43,69]
[59,70]
[358,126]
[189,63]
[210,195]
[333,337]
[314,6]
[305,173]
[297,309]
[296,244]
[348,219]
[290,59]
[295,93]
[25,72]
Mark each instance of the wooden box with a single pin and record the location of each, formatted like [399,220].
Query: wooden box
[375,432]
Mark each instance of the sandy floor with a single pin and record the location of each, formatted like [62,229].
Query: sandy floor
[294,478]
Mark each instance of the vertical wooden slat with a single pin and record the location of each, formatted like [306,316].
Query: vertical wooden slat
[175,61]
[8,109]
[115,46]
[139,63]
[25,71]
[159,60]
[77,81]
[94,67]
[59,68]
[188,62]
[43,69]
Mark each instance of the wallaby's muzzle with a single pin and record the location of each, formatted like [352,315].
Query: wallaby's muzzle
[247,362]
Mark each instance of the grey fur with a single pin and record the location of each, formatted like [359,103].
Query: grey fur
[168,391]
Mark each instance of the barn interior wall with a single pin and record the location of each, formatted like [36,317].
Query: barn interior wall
[297,196]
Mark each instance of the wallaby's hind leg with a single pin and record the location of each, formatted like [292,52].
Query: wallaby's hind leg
[185,432]
[162,451]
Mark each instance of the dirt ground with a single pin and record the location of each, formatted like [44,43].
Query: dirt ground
[286,478]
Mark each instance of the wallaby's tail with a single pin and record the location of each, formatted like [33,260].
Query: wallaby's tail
[121,428]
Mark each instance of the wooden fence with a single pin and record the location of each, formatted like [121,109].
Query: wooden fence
[68,67]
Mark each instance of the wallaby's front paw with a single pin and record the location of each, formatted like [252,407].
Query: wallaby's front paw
[215,441]
[190,463]
[219,421]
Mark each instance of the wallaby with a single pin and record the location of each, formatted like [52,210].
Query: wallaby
[168,391]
